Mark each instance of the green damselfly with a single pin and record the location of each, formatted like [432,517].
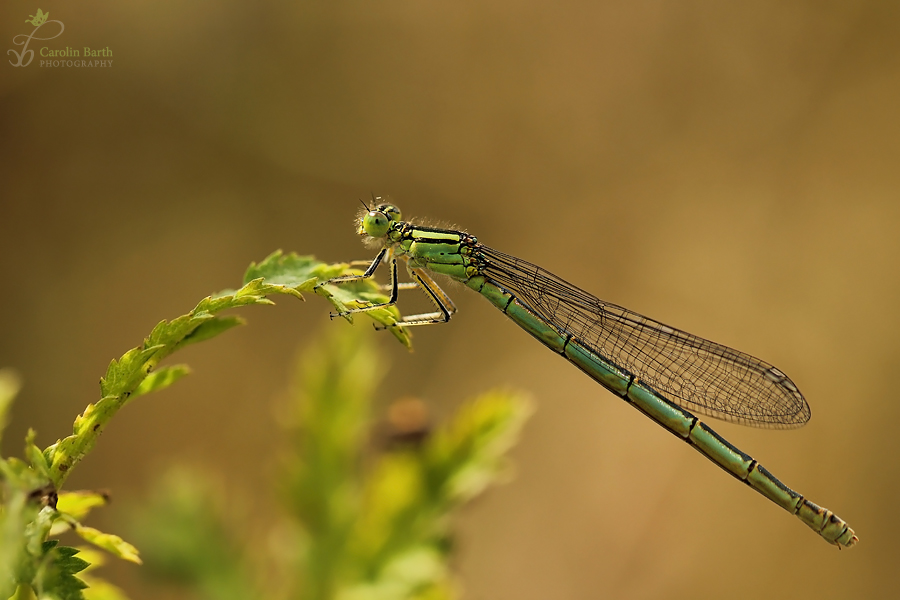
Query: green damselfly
[662,371]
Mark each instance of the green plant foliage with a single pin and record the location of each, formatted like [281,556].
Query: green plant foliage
[97,589]
[20,547]
[402,538]
[301,273]
[332,412]
[185,538]
[383,533]
[9,387]
[360,525]
[376,534]
[132,374]
[109,542]
[78,504]
[56,574]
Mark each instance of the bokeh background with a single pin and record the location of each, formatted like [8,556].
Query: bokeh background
[731,169]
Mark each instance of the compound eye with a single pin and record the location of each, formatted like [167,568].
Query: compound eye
[390,211]
[376,224]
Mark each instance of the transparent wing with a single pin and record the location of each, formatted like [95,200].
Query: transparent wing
[694,373]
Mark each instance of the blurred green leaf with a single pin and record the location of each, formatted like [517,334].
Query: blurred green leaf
[418,572]
[184,535]
[34,455]
[14,518]
[333,394]
[74,507]
[97,589]
[10,384]
[79,503]
[410,495]
[464,457]
[382,534]
[109,542]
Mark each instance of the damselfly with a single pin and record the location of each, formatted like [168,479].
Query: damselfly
[666,373]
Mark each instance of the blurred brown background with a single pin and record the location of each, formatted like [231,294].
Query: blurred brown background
[729,169]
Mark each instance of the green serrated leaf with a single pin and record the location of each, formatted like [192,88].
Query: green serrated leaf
[132,374]
[333,295]
[212,328]
[129,374]
[303,273]
[161,378]
[362,294]
[97,589]
[292,271]
[55,578]
[109,542]
[168,333]
[125,374]
[253,292]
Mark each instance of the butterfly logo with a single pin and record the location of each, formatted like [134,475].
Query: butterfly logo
[39,19]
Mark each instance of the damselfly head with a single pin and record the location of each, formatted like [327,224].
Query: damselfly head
[377,222]
[392,212]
